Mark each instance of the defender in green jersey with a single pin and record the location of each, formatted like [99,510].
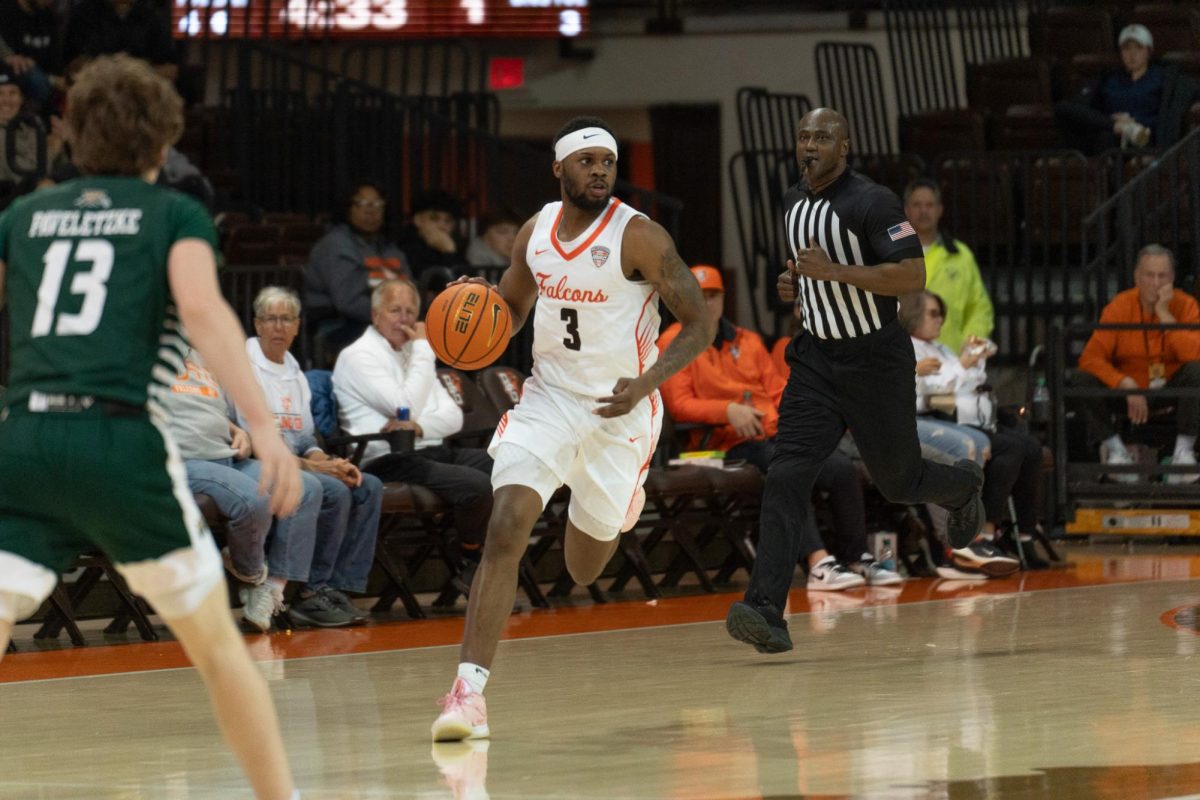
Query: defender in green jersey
[102,275]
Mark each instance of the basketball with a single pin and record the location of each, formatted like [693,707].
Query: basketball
[468,325]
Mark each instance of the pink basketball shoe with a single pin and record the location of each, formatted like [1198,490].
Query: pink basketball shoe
[464,715]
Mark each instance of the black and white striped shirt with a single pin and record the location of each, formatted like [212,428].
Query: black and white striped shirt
[856,221]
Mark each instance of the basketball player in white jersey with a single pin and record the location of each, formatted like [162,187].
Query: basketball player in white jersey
[590,414]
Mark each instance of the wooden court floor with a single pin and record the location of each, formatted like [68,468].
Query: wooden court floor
[1074,683]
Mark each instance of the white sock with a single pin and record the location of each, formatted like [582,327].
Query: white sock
[475,676]
[1185,444]
[1115,445]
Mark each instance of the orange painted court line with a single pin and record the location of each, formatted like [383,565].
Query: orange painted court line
[615,616]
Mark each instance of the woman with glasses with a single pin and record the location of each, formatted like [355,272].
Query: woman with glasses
[955,387]
[354,257]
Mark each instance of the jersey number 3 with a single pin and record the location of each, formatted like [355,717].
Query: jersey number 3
[571,317]
[91,284]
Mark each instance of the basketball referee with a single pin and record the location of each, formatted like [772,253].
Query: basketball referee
[852,366]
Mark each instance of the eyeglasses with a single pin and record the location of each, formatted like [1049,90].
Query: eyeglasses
[372,204]
[285,321]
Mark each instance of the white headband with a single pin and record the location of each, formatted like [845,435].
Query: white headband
[582,138]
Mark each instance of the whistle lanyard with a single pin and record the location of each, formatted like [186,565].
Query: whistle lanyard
[1146,340]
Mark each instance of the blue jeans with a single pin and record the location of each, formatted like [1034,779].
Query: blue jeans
[290,545]
[955,441]
[346,530]
[236,495]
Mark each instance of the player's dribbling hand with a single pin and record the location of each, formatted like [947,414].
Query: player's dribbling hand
[280,477]
[473,279]
[627,393]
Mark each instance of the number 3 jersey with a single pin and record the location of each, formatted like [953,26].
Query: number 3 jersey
[90,309]
[591,324]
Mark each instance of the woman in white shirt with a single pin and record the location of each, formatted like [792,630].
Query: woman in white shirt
[957,386]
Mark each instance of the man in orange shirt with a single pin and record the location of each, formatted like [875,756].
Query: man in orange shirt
[1144,359]
[735,387]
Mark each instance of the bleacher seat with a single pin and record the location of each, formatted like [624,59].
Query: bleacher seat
[1027,127]
[1060,33]
[932,133]
[1175,28]
[994,86]
[252,243]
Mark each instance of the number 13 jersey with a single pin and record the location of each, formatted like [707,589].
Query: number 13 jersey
[86,282]
[591,324]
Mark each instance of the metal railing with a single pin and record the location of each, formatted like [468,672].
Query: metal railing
[1160,204]
[851,81]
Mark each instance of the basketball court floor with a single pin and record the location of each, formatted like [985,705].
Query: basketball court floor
[1074,683]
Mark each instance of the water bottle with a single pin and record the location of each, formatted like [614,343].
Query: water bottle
[402,413]
[400,440]
[1041,401]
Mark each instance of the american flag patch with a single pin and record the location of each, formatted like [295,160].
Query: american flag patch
[900,231]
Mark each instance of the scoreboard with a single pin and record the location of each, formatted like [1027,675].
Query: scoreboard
[378,19]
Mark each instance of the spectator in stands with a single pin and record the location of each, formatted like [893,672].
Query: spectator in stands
[348,521]
[431,241]
[34,149]
[348,262]
[951,271]
[31,46]
[216,455]
[135,27]
[1144,359]
[734,387]
[497,233]
[1015,467]
[392,366]
[1141,103]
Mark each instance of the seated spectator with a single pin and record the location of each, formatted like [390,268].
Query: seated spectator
[951,271]
[734,386]
[216,454]
[1015,467]
[431,241]
[1141,103]
[348,522]
[33,150]
[1144,359]
[392,366]
[104,27]
[31,46]
[344,266]
[497,233]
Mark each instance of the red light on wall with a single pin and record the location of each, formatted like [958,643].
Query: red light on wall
[506,73]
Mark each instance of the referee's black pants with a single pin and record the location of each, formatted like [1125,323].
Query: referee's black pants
[868,385]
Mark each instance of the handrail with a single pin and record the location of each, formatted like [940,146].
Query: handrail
[1144,176]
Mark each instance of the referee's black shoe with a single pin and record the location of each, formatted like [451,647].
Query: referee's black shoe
[758,625]
[966,521]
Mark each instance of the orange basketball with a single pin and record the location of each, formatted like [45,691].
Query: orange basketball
[468,325]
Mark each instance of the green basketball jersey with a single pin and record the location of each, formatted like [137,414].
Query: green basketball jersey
[86,284]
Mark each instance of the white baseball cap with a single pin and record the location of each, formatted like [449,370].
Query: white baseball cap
[1136,33]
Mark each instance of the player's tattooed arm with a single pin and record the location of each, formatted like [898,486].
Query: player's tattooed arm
[681,293]
[648,253]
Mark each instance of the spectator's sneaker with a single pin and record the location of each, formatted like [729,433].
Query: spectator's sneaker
[1134,133]
[464,715]
[758,625]
[464,767]
[957,573]
[319,611]
[1118,457]
[1183,458]
[964,523]
[340,600]
[259,604]
[252,579]
[463,579]
[987,558]
[875,573]
[830,576]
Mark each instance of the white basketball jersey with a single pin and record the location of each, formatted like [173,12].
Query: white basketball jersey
[591,324]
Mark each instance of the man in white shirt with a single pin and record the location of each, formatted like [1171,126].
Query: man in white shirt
[392,366]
